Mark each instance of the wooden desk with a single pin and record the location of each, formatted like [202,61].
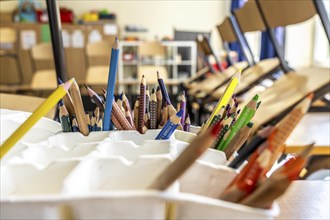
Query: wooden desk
[306,199]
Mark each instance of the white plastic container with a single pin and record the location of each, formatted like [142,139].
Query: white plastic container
[189,206]
[206,179]
[113,174]
[25,179]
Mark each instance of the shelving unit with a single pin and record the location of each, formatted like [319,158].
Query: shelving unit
[180,61]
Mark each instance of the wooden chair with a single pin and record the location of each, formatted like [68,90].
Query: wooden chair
[215,80]
[286,92]
[44,76]
[23,103]
[228,36]
[280,98]
[98,59]
[248,19]
[9,48]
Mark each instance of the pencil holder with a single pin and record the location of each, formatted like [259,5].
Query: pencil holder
[11,120]
[141,204]
[43,154]
[189,206]
[73,139]
[21,180]
[113,174]
[206,179]
[131,152]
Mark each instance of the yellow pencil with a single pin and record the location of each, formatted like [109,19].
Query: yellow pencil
[225,97]
[42,110]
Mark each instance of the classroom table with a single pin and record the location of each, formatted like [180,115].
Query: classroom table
[306,199]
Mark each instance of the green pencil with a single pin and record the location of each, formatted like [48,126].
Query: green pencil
[244,118]
[64,118]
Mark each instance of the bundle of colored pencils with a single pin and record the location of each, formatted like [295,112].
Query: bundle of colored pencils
[251,186]
[150,111]
[237,125]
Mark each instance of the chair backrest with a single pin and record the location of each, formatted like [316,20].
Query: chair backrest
[283,13]
[226,31]
[248,17]
[42,52]
[150,73]
[203,45]
[23,103]
[7,35]
[151,48]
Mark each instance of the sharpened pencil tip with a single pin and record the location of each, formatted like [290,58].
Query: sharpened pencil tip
[116,43]
[238,75]
[68,84]
[59,81]
[158,76]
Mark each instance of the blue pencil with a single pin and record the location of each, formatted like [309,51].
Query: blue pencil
[166,97]
[111,85]
[170,126]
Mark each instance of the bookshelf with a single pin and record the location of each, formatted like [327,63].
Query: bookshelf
[180,61]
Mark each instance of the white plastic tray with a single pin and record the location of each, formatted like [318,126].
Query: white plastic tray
[104,176]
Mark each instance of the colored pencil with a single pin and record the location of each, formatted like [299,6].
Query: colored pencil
[159,104]
[88,120]
[95,97]
[126,102]
[75,126]
[244,118]
[278,183]
[147,99]
[171,110]
[104,94]
[128,116]
[225,98]
[97,113]
[99,125]
[67,100]
[79,109]
[245,152]
[164,117]
[64,117]
[42,110]
[247,179]
[111,84]
[285,127]
[119,103]
[120,116]
[187,124]
[116,122]
[153,110]
[142,105]
[170,126]
[226,125]
[183,107]
[136,113]
[195,149]
[238,140]
[162,87]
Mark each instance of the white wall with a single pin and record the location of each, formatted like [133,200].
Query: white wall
[160,17]
[299,43]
